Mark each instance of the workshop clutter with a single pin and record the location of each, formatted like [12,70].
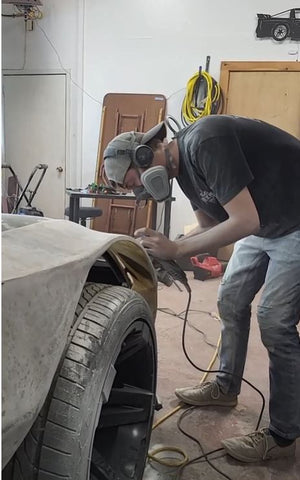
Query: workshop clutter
[14,193]
[209,267]
[100,188]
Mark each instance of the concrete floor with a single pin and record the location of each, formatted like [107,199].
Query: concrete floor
[208,424]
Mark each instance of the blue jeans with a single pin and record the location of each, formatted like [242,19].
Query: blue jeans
[274,263]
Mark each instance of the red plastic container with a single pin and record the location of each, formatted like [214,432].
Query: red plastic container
[213,267]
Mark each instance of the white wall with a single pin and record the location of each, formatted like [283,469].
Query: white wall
[137,46]
[62,25]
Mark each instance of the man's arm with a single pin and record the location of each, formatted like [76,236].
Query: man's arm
[243,220]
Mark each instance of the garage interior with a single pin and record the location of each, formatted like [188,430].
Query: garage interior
[209,425]
[77,73]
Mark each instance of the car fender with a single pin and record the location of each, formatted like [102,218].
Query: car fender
[45,264]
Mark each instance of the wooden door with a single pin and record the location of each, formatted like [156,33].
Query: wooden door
[269,91]
[35,132]
[124,112]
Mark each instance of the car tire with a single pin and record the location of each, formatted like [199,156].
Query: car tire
[280,32]
[96,422]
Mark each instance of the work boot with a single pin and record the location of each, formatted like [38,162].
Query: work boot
[257,446]
[205,394]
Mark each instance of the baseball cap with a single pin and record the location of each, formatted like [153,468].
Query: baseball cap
[119,153]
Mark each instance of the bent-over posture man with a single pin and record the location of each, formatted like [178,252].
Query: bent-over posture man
[242,177]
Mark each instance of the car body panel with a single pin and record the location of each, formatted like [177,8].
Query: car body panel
[45,264]
[289,19]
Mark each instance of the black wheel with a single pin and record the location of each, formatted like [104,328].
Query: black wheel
[280,32]
[96,422]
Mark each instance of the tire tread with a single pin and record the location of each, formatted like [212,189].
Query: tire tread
[61,417]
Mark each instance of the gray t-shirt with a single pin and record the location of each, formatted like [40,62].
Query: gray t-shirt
[222,154]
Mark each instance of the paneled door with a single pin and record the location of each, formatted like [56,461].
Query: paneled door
[35,132]
[268,91]
[124,112]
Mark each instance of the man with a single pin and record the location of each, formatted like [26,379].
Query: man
[242,177]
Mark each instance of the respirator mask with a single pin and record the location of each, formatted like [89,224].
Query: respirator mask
[155,184]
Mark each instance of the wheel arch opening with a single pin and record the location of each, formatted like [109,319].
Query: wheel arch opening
[126,264]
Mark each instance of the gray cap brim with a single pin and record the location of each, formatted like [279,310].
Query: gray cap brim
[159,131]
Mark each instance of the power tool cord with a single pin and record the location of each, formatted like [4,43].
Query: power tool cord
[180,315]
[179,407]
[215,371]
[203,455]
[177,273]
[184,462]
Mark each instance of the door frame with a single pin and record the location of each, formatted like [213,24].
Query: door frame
[228,67]
[66,74]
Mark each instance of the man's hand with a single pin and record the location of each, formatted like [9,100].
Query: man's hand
[156,243]
[242,221]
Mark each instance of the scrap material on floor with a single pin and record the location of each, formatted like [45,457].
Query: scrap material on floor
[209,425]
